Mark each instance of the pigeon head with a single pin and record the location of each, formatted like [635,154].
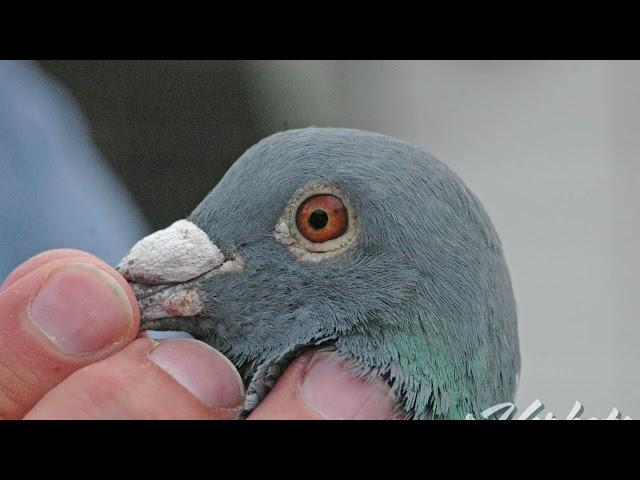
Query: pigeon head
[346,239]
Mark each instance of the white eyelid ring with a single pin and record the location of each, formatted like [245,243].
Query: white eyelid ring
[286,230]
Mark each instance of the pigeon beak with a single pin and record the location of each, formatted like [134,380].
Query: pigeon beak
[166,269]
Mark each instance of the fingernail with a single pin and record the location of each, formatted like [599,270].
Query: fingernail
[335,392]
[81,309]
[202,370]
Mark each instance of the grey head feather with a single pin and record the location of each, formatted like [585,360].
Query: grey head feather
[422,297]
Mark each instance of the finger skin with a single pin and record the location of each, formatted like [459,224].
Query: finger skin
[41,259]
[30,365]
[322,385]
[127,385]
[284,401]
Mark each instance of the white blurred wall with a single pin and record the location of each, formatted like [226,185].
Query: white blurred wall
[552,149]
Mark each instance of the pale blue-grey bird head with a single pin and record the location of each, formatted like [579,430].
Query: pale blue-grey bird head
[413,287]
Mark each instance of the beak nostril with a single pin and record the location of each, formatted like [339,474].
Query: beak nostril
[166,271]
[178,253]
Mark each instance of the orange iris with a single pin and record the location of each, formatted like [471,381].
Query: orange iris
[321,218]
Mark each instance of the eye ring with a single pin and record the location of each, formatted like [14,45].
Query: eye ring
[306,242]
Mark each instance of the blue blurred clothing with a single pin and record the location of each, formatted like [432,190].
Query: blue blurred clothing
[56,191]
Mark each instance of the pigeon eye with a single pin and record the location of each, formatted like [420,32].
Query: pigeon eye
[318,222]
[321,218]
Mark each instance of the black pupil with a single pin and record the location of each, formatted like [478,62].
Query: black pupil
[318,219]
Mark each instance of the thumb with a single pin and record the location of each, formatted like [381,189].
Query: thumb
[58,313]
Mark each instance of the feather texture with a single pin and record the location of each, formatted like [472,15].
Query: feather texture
[423,296]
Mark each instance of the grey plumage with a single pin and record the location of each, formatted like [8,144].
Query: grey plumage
[423,296]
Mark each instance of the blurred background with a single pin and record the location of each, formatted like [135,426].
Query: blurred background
[94,154]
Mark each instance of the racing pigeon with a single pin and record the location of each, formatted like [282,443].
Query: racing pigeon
[349,240]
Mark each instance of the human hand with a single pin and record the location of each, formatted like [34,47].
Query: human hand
[69,348]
